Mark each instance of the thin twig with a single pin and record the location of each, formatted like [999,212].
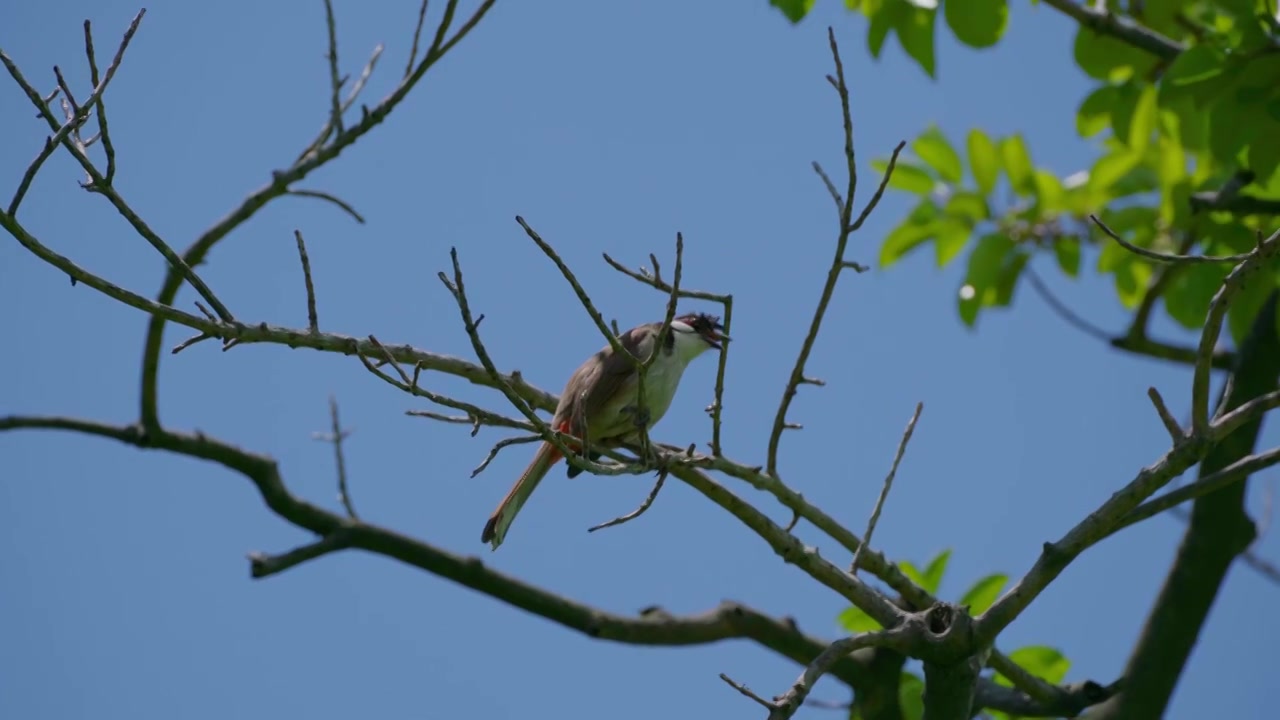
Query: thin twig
[1166,417]
[498,446]
[648,501]
[417,33]
[335,83]
[313,322]
[583,298]
[838,263]
[1061,309]
[364,77]
[1165,257]
[336,436]
[1213,327]
[331,198]
[262,565]
[1237,471]
[100,106]
[747,691]
[786,704]
[888,485]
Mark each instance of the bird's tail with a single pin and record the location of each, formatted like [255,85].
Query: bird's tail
[496,529]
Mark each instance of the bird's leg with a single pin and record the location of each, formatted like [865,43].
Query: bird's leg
[640,418]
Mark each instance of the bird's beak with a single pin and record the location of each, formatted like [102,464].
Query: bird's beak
[715,338]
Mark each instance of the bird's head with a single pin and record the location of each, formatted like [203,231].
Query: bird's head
[701,325]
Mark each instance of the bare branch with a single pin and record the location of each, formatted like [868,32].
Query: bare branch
[786,705]
[335,437]
[1237,471]
[1213,326]
[262,565]
[335,83]
[330,198]
[1166,417]
[648,501]
[313,322]
[281,182]
[747,692]
[498,446]
[838,263]
[1061,309]
[1164,257]
[100,109]
[417,33]
[888,485]
[1110,23]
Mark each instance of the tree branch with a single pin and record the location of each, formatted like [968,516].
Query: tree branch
[1117,26]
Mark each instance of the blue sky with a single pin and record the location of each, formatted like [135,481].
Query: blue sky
[609,127]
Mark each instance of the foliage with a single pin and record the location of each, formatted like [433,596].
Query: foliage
[1179,126]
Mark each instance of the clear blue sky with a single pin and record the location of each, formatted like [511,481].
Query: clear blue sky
[124,589]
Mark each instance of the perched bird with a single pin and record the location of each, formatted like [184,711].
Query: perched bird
[599,403]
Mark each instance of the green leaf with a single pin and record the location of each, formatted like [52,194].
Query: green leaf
[857,621]
[1187,297]
[1017,164]
[917,228]
[1067,251]
[983,160]
[911,696]
[1110,168]
[907,176]
[911,572]
[795,10]
[935,570]
[977,23]
[1134,114]
[1044,662]
[1104,57]
[1197,64]
[933,148]
[1264,157]
[1007,282]
[1095,112]
[882,20]
[983,593]
[951,238]
[968,206]
[1048,192]
[915,33]
[985,265]
[1231,129]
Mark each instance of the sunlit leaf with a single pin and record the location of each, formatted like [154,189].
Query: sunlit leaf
[984,160]
[1044,662]
[908,176]
[1094,114]
[977,23]
[915,32]
[1067,251]
[950,238]
[1017,164]
[933,148]
[795,10]
[985,265]
[983,593]
[967,206]
[934,571]
[917,228]
[856,621]
[1244,307]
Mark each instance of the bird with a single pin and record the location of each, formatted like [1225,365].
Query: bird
[599,402]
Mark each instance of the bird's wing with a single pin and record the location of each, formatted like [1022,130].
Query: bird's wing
[605,380]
